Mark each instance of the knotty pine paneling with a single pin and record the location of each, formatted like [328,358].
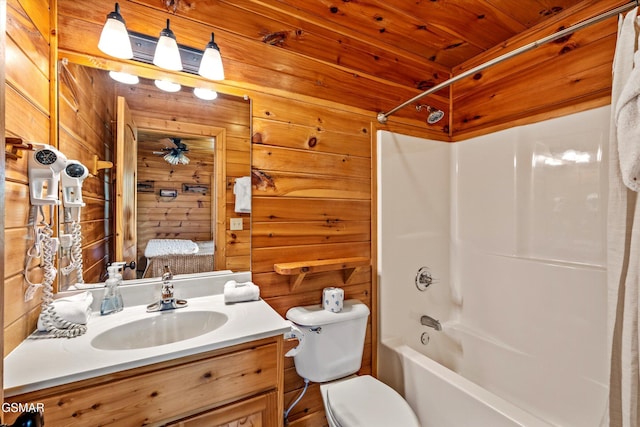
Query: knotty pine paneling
[23,74]
[86,116]
[23,120]
[27,116]
[289,28]
[250,62]
[312,138]
[557,78]
[311,200]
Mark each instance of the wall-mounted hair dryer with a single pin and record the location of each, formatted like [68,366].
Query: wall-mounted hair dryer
[45,165]
[72,177]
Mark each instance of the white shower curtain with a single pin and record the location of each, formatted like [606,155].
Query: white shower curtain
[623,231]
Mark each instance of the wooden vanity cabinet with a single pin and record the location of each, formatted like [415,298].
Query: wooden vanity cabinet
[224,387]
[249,412]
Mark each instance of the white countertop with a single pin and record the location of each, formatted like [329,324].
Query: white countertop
[41,363]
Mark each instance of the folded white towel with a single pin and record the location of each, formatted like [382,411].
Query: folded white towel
[239,292]
[75,309]
[242,190]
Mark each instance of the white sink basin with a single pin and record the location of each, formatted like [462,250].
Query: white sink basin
[160,328]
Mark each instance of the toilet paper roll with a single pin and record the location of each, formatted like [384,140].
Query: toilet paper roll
[333,299]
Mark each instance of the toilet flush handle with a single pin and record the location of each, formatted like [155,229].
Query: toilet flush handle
[294,333]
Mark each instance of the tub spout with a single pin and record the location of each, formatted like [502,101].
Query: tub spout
[430,322]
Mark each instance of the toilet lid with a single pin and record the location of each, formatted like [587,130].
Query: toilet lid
[366,402]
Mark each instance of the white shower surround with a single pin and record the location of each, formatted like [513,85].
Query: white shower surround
[513,228]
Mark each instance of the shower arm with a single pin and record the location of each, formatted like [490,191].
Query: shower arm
[383,117]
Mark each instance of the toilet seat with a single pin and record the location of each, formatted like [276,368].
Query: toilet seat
[366,402]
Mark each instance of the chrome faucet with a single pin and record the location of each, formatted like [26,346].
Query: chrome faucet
[167,286]
[167,298]
[430,322]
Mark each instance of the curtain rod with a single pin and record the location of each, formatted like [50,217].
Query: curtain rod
[383,117]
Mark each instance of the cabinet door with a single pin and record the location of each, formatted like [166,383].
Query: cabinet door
[259,411]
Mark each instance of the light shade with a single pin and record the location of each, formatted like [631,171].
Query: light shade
[205,94]
[167,86]
[114,39]
[167,55]
[125,78]
[211,64]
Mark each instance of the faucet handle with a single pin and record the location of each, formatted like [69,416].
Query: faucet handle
[167,275]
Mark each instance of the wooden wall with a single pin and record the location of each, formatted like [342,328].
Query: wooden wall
[3,33]
[312,201]
[27,116]
[86,116]
[557,78]
[313,142]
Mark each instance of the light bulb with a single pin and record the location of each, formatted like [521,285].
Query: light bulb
[167,55]
[211,63]
[114,39]
[125,78]
[205,94]
[167,86]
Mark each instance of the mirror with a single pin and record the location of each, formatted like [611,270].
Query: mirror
[177,203]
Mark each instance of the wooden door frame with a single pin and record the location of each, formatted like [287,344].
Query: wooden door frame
[218,195]
[124,123]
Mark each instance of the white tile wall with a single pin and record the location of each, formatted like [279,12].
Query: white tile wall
[414,193]
[526,209]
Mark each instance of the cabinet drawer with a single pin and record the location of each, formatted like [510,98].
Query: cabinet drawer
[170,393]
[259,411]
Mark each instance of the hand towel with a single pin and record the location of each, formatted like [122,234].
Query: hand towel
[242,191]
[239,292]
[75,309]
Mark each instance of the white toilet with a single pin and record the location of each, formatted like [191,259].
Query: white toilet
[330,350]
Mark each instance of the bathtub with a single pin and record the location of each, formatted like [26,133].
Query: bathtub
[441,397]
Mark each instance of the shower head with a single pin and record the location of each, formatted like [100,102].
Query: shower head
[435,115]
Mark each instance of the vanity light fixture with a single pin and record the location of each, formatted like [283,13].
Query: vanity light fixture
[211,63]
[205,94]
[125,78]
[167,86]
[167,55]
[114,39]
[163,52]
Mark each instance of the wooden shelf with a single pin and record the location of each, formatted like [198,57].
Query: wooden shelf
[298,270]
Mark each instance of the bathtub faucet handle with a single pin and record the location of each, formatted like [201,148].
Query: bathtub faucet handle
[430,322]
[424,279]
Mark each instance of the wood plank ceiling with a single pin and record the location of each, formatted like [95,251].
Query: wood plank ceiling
[393,48]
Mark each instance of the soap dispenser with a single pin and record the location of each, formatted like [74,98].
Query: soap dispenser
[112,300]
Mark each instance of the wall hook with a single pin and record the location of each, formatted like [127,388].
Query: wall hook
[16,147]
[100,164]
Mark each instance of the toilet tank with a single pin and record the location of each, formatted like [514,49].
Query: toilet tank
[333,342]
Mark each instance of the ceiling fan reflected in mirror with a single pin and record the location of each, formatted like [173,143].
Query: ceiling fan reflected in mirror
[174,152]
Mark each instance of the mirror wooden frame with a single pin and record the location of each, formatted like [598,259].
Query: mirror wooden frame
[197,130]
